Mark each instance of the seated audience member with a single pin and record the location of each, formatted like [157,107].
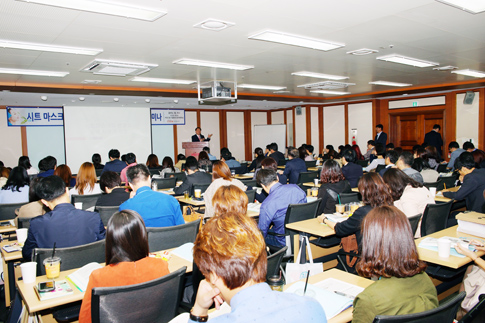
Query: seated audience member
[157,209]
[333,183]
[351,171]
[328,152]
[302,153]
[47,166]
[235,272]
[4,174]
[455,152]
[96,159]
[374,193]
[16,190]
[24,161]
[390,146]
[86,181]
[390,160]
[194,176]
[379,152]
[358,154]
[274,153]
[370,147]
[204,161]
[258,158]
[64,172]
[269,163]
[273,209]
[309,150]
[152,162]
[64,224]
[469,146]
[34,207]
[130,161]
[431,155]
[341,149]
[180,161]
[294,166]
[114,164]
[110,183]
[429,175]
[230,199]
[168,167]
[473,183]
[208,151]
[405,162]
[389,252]
[2,164]
[127,260]
[399,150]
[226,157]
[221,176]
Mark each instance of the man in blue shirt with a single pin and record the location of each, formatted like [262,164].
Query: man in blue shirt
[273,209]
[455,152]
[208,151]
[47,166]
[294,166]
[226,157]
[157,209]
[115,164]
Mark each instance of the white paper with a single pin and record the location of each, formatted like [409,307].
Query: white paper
[335,285]
[185,251]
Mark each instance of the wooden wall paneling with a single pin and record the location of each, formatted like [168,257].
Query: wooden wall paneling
[223,127]
[175,145]
[23,134]
[268,118]
[481,119]
[286,123]
[308,115]
[294,127]
[198,118]
[346,118]
[320,128]
[449,121]
[248,139]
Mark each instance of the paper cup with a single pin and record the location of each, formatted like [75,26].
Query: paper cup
[444,246]
[197,193]
[29,270]
[21,235]
[78,205]
[433,191]
[315,181]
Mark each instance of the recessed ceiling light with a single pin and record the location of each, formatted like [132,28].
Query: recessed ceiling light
[261,87]
[296,40]
[214,24]
[326,85]
[196,62]
[281,92]
[330,92]
[362,51]
[81,98]
[471,6]
[395,58]
[318,75]
[469,72]
[32,72]
[386,83]
[445,68]
[43,98]
[108,8]
[159,80]
[49,48]
[116,99]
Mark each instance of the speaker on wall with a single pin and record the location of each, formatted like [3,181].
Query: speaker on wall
[469,96]
[298,110]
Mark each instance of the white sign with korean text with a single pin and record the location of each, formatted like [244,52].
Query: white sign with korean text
[167,116]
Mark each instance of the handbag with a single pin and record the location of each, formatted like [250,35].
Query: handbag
[298,271]
[190,215]
[349,245]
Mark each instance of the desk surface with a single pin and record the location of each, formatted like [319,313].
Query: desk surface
[10,256]
[441,198]
[311,184]
[345,316]
[7,229]
[190,201]
[311,226]
[453,261]
[243,176]
[168,191]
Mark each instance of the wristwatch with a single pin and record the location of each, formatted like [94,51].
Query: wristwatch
[195,318]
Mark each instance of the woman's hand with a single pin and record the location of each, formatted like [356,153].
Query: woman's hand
[320,218]
[207,295]
[478,244]
[466,252]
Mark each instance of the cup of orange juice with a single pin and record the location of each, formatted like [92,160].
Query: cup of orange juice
[52,267]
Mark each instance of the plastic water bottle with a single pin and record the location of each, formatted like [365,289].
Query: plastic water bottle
[154,186]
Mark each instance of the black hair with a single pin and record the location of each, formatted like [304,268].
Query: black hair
[24,161]
[390,145]
[2,164]
[380,149]
[380,126]
[350,155]
[33,197]
[407,158]
[416,147]
[123,158]
[419,164]
[437,126]
[259,152]
[191,163]
[310,148]
[198,128]
[393,156]
[96,159]
[266,176]
[18,178]
[295,153]
[371,142]
[109,180]
[465,160]
[329,147]
[468,145]
[180,157]
[453,144]
[206,149]
[137,172]
[226,154]
[47,163]
[114,153]
[130,158]
[274,146]
[51,187]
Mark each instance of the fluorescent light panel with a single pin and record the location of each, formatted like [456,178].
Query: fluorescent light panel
[49,48]
[395,58]
[469,72]
[330,92]
[196,62]
[261,87]
[471,6]
[32,72]
[159,80]
[108,8]
[295,40]
[386,83]
[318,75]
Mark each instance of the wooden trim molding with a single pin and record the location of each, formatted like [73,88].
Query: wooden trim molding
[308,115]
[175,143]
[248,139]
[286,123]
[320,128]
[269,119]
[294,128]
[198,118]
[223,128]
[23,136]
[346,118]
[481,118]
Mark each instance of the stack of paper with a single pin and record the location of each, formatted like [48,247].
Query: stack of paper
[255,207]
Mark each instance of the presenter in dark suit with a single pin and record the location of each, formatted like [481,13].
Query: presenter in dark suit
[433,138]
[381,137]
[199,137]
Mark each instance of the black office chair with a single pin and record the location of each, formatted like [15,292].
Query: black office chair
[349,197]
[414,221]
[179,176]
[23,223]
[311,163]
[154,171]
[282,162]
[307,177]
[105,212]
[431,184]
[442,168]
[157,300]
[443,313]
[435,217]
[379,168]
[7,210]
[98,172]
[448,182]
[251,195]
[165,182]
[477,313]
[362,163]
[243,169]
[249,182]
[274,262]
[87,200]
[172,237]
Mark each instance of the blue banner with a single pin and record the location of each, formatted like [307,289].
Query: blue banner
[35,116]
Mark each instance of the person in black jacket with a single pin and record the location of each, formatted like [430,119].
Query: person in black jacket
[381,137]
[193,177]
[110,183]
[200,137]
[333,183]
[294,166]
[433,138]
[274,153]
[351,171]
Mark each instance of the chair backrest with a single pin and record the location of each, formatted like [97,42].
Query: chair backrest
[431,184]
[444,313]
[305,177]
[105,212]
[165,182]
[380,167]
[251,195]
[442,168]
[7,210]
[435,217]
[363,163]
[157,300]
[274,262]
[349,197]
[23,223]
[448,182]
[240,170]
[201,187]
[171,237]
[414,221]
[282,162]
[72,257]
[87,200]
[300,212]
[180,176]
[98,172]
[477,313]
[311,163]
[249,182]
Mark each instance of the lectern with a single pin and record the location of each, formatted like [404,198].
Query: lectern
[194,148]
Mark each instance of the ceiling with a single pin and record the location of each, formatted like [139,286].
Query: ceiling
[423,29]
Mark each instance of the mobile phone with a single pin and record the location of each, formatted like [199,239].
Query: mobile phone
[5,224]
[46,286]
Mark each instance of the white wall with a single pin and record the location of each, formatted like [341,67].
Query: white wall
[185,132]
[11,148]
[235,135]
[360,118]
[334,125]
[277,117]
[257,118]
[162,142]
[209,122]
[315,134]
[467,119]
[300,130]
[289,128]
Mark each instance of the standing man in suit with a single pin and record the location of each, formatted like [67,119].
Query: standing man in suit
[381,137]
[193,177]
[199,137]
[433,138]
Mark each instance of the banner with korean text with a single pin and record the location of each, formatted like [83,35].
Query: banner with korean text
[167,116]
[35,116]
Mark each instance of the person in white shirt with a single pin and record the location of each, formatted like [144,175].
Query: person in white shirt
[86,181]
[380,152]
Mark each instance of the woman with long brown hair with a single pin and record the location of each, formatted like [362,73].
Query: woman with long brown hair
[152,162]
[64,172]
[86,181]
[333,183]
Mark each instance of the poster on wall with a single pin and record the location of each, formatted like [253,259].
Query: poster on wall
[167,116]
[35,116]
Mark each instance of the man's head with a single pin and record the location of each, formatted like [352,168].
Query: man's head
[198,131]
[309,149]
[348,156]
[468,146]
[207,150]
[109,180]
[379,128]
[370,144]
[226,155]
[52,191]
[191,164]
[138,176]
[130,158]
[267,178]
[406,160]
[437,127]
[391,157]
[465,163]
[390,146]
[48,163]
[114,154]
[452,146]
[293,153]
[380,150]
[273,147]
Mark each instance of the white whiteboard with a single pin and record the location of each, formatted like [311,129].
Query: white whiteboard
[90,130]
[263,135]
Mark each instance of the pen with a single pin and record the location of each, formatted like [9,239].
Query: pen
[306,283]
[344,295]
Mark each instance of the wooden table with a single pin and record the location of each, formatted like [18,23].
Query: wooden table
[190,201]
[168,191]
[452,261]
[446,199]
[311,226]
[9,258]
[345,316]
[311,184]
[243,176]
[7,228]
